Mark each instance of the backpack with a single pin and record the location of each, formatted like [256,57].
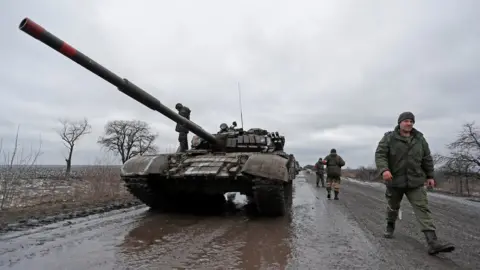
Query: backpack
[333,161]
[332,167]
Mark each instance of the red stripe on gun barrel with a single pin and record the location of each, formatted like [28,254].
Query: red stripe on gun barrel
[33,28]
[67,50]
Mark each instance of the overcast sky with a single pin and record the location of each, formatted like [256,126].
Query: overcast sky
[326,74]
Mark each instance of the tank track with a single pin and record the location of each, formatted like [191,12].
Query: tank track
[139,188]
[272,199]
[160,200]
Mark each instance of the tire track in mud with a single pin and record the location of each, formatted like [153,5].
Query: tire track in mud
[366,204]
[326,239]
[41,215]
[25,249]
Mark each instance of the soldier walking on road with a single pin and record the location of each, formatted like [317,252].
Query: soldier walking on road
[320,171]
[182,131]
[334,164]
[403,159]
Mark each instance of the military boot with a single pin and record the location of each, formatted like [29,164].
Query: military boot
[336,195]
[390,229]
[435,246]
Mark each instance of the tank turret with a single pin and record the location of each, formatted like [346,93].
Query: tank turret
[233,139]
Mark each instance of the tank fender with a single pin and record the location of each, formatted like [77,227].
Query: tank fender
[266,166]
[147,164]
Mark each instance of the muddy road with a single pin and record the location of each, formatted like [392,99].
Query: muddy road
[318,234]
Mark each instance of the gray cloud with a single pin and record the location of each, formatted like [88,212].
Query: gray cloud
[326,74]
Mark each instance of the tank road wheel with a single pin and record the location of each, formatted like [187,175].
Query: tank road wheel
[269,197]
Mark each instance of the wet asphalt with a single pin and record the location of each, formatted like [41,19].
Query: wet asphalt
[317,234]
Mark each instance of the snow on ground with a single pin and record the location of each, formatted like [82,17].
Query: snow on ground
[34,191]
[35,185]
[371,184]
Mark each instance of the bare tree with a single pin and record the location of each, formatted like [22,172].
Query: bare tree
[463,162]
[367,173]
[437,159]
[128,138]
[467,145]
[16,167]
[70,132]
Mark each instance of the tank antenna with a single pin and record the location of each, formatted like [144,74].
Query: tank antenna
[240,101]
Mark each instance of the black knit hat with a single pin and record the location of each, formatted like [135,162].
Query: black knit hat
[333,150]
[405,116]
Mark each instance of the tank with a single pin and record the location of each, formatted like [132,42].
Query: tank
[252,162]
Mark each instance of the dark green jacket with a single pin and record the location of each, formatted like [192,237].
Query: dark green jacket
[319,167]
[410,162]
[334,164]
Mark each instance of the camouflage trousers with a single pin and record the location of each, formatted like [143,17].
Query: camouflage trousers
[183,140]
[320,177]
[417,198]
[333,182]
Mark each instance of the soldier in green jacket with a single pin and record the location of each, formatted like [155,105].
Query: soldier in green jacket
[334,163]
[320,171]
[182,131]
[403,159]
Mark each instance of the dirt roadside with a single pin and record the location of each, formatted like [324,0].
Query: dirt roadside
[16,219]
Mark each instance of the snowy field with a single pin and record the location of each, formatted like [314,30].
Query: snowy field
[20,187]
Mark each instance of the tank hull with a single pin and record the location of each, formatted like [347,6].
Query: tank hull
[164,181]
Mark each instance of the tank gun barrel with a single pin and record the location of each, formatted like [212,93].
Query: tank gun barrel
[123,85]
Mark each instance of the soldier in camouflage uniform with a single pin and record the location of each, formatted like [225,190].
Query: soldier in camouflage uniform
[320,171]
[403,159]
[182,131]
[334,163]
